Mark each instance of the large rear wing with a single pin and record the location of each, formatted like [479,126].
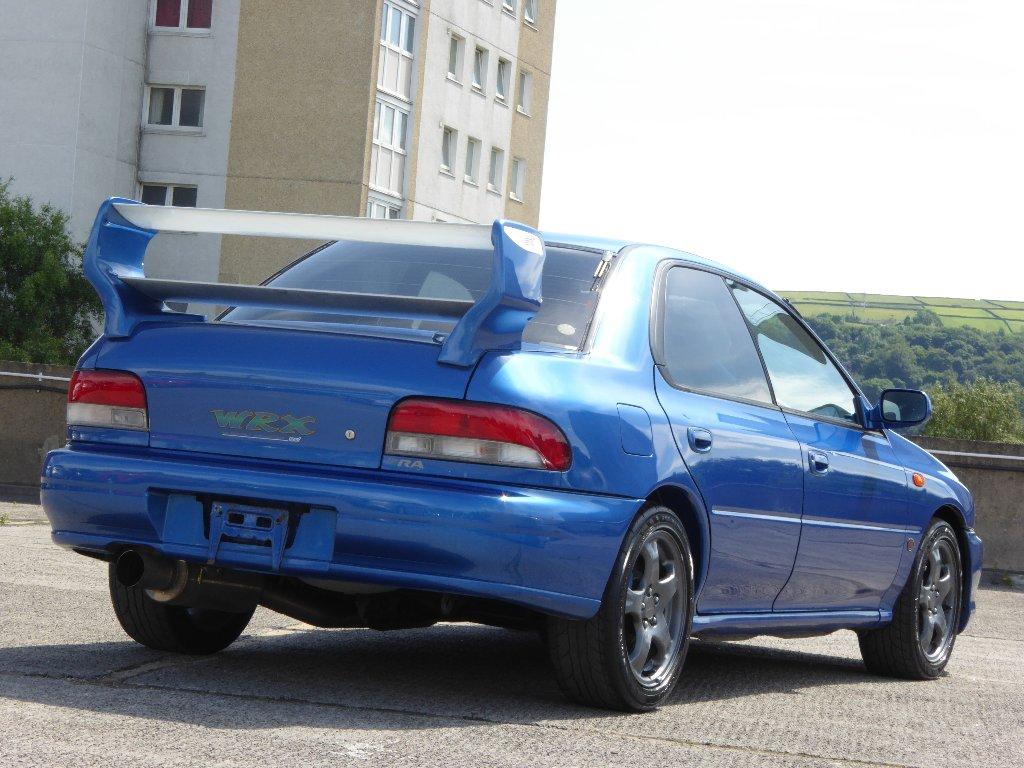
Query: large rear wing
[115,258]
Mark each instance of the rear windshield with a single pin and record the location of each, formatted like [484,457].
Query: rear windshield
[569,287]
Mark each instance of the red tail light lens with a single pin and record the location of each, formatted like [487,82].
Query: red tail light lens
[110,399]
[452,430]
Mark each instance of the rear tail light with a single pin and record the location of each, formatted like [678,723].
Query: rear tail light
[111,399]
[453,430]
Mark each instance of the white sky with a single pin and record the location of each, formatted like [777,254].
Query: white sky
[850,145]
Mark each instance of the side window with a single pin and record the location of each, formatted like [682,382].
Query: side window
[706,343]
[803,377]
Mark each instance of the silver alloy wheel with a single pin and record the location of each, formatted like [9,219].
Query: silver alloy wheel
[655,608]
[938,601]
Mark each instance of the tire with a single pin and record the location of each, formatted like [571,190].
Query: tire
[592,658]
[170,627]
[911,647]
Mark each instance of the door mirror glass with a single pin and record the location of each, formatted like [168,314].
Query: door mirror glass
[904,407]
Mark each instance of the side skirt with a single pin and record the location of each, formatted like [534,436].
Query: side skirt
[791,624]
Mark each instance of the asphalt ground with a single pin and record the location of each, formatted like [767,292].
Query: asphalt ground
[75,691]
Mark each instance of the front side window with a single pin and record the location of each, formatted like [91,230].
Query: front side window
[175,107]
[706,345]
[802,375]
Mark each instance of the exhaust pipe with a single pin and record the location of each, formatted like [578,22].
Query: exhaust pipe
[136,568]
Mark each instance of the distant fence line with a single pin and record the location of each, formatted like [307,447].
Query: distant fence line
[32,404]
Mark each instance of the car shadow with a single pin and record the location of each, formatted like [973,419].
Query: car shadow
[446,675]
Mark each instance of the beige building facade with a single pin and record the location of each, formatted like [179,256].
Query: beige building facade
[433,110]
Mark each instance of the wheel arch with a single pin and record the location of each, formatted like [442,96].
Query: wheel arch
[691,514]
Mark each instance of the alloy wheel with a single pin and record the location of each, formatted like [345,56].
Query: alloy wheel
[938,601]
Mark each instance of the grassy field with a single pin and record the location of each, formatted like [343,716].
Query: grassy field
[871,308]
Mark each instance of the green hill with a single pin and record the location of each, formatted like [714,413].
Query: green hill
[878,309]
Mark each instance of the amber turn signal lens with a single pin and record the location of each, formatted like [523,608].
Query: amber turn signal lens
[919,480]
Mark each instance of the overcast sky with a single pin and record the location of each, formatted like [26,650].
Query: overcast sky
[841,145]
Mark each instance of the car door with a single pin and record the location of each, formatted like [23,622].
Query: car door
[736,443]
[855,510]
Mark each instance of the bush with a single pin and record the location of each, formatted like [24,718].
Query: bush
[47,307]
[983,410]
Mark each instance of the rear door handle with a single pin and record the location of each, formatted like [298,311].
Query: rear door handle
[818,462]
[700,439]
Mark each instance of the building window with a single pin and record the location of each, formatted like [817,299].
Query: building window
[509,6]
[380,209]
[480,69]
[504,79]
[174,106]
[530,11]
[448,139]
[390,147]
[525,95]
[495,176]
[169,194]
[182,14]
[397,30]
[472,160]
[455,52]
[518,179]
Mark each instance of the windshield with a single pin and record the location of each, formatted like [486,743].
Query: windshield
[569,287]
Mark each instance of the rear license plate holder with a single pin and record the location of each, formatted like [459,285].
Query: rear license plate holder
[264,527]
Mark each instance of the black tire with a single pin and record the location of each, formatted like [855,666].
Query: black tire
[171,627]
[591,658]
[899,649]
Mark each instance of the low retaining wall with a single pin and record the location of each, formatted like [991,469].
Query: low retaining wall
[32,410]
[33,420]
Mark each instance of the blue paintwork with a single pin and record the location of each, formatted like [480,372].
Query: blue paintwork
[797,525]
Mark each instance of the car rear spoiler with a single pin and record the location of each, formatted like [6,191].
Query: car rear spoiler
[115,257]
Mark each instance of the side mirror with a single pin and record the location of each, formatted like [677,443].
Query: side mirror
[900,408]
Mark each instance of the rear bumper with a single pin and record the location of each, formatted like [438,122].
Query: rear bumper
[544,549]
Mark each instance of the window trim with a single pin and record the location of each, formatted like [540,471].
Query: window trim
[169,188]
[182,28]
[656,336]
[174,126]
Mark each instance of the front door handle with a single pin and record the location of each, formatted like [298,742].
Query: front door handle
[818,462]
[700,439]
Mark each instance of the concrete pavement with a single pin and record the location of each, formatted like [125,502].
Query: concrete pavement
[74,691]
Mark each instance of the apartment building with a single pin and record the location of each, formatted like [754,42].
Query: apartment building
[433,110]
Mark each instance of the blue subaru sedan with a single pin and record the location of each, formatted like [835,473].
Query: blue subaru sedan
[618,445]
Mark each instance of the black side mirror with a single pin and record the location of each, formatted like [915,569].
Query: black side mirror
[900,408]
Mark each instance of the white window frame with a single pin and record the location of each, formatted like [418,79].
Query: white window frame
[473,150]
[182,28]
[175,125]
[503,85]
[496,171]
[524,92]
[374,204]
[481,57]
[509,7]
[530,12]
[449,149]
[169,192]
[517,179]
[397,144]
[459,42]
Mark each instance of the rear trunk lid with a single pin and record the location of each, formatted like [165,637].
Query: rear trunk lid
[277,394]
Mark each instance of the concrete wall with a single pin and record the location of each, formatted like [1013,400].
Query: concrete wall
[996,480]
[33,418]
[71,76]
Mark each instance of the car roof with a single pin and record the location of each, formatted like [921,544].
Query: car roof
[662,252]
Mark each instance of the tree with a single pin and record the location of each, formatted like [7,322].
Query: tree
[46,305]
[983,410]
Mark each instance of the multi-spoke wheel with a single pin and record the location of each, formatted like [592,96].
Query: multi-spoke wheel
[630,654]
[919,641]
